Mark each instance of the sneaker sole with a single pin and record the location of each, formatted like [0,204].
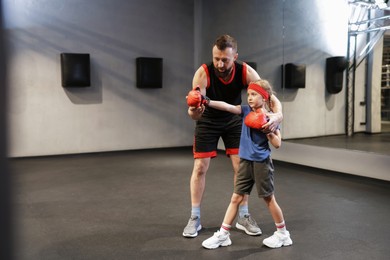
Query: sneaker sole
[286,243]
[193,235]
[227,243]
[241,227]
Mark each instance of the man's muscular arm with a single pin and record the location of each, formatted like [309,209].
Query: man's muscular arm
[199,81]
[276,117]
[251,75]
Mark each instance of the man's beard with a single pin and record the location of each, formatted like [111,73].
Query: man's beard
[222,74]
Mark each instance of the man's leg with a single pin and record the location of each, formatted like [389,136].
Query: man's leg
[244,222]
[197,186]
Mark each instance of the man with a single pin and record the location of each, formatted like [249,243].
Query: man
[223,80]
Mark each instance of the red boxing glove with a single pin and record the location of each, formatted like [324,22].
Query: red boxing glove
[194,98]
[255,120]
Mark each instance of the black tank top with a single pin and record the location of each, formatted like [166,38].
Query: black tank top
[219,90]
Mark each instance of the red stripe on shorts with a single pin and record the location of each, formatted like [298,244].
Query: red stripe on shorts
[232,151]
[199,155]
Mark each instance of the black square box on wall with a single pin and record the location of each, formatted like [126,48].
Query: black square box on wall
[75,70]
[335,67]
[294,75]
[149,72]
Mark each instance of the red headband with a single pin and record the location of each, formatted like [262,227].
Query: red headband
[259,90]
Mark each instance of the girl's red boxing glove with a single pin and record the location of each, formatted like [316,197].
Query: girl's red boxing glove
[255,120]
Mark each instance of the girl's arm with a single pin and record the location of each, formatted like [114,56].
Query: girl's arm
[221,105]
[275,138]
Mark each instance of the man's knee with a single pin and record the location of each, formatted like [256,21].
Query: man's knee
[237,198]
[201,165]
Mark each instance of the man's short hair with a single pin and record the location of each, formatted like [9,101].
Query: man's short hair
[226,41]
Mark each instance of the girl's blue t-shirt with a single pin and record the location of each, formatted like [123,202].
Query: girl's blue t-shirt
[254,144]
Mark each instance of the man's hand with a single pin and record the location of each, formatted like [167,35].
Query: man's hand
[196,112]
[274,120]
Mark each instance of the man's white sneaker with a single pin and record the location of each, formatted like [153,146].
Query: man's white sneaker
[217,240]
[278,239]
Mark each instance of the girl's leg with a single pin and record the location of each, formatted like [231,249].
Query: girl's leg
[281,237]
[222,236]
[274,209]
[232,209]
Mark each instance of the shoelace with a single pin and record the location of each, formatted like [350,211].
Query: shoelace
[250,220]
[193,221]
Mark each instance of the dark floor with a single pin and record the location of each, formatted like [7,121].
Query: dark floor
[372,143]
[134,205]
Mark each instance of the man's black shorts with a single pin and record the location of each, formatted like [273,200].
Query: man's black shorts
[208,132]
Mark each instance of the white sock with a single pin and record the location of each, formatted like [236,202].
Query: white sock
[281,227]
[225,228]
